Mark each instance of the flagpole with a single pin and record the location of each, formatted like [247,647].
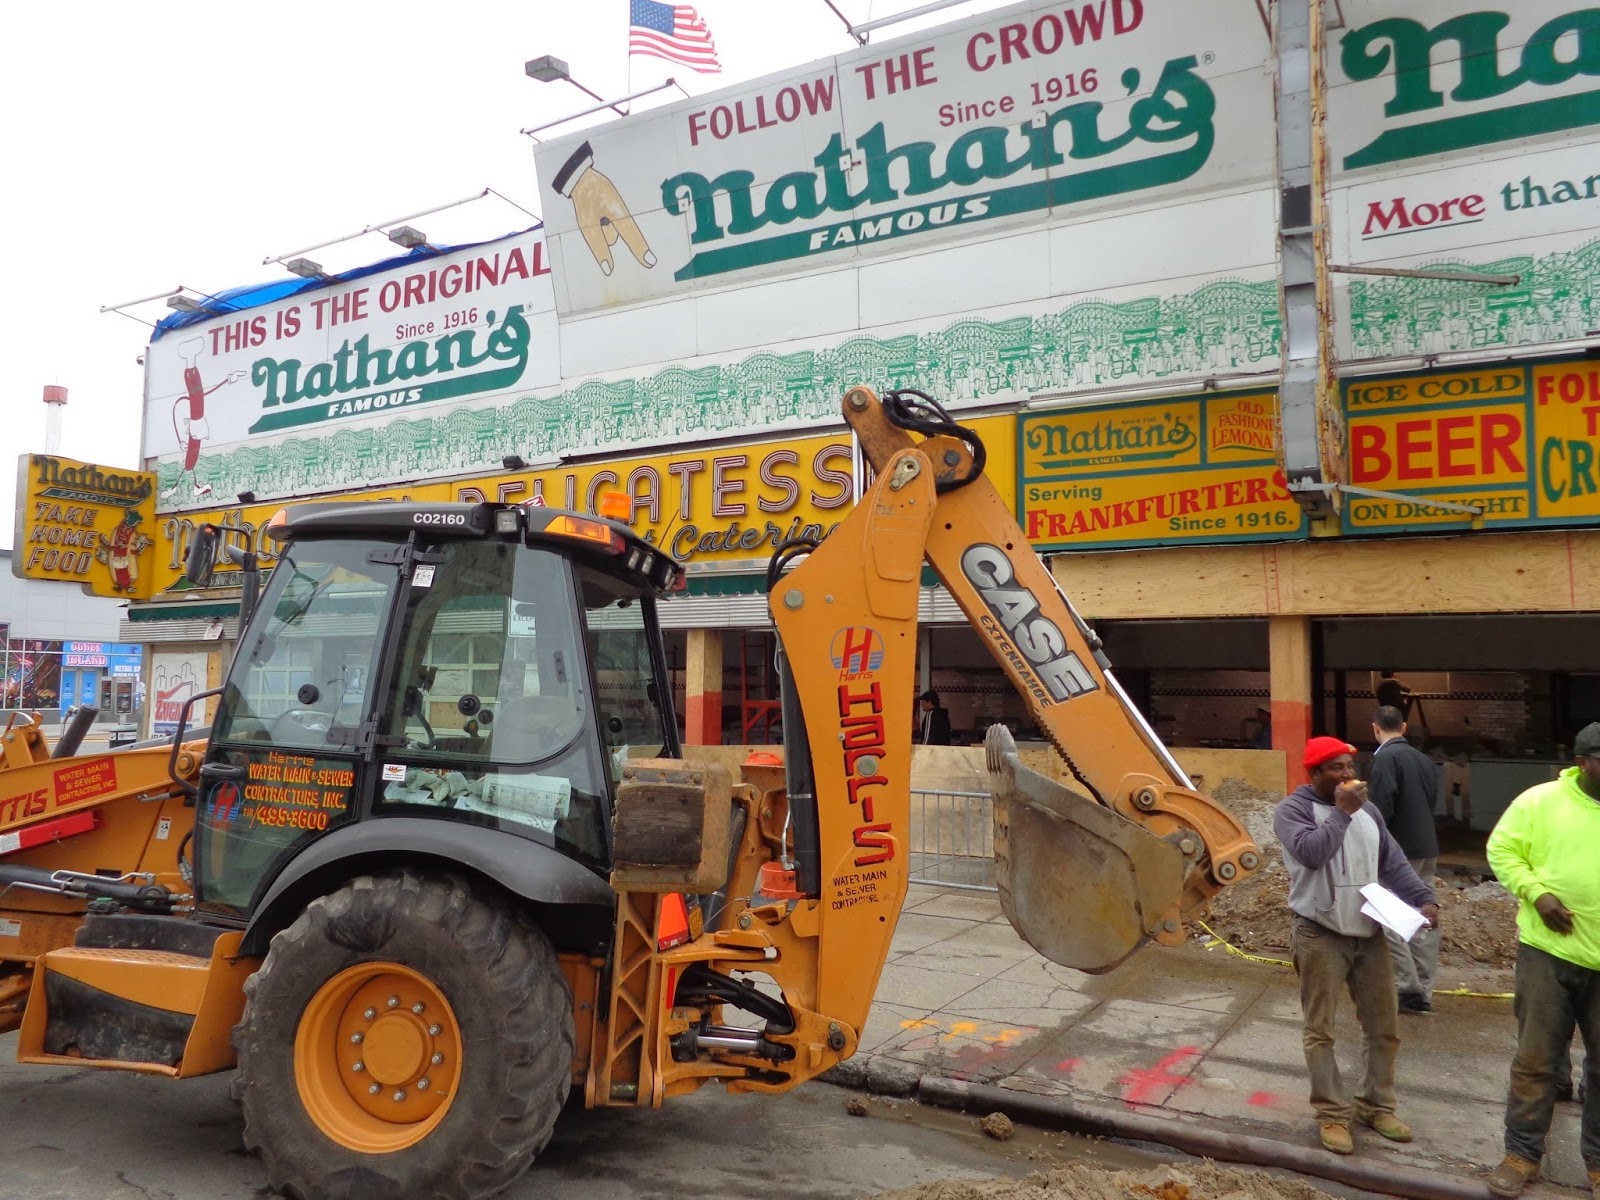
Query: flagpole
[630,54]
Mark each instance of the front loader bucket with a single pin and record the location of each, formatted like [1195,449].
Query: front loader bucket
[1083,886]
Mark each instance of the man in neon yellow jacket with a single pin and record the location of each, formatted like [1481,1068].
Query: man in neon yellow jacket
[1546,850]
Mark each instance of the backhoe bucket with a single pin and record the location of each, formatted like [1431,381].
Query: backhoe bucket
[1083,886]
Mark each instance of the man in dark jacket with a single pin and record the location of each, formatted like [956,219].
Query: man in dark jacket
[1403,787]
[934,726]
[1333,845]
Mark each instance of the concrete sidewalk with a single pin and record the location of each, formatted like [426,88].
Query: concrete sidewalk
[1186,1034]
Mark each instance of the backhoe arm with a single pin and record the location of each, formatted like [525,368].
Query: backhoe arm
[1190,847]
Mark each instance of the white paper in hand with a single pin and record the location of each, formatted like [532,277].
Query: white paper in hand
[1388,910]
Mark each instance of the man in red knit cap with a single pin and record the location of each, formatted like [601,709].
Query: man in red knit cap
[1334,844]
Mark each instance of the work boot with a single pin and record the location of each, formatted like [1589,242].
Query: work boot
[1336,1137]
[1389,1125]
[1512,1175]
[1594,1182]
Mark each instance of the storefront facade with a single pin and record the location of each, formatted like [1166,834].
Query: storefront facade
[1076,248]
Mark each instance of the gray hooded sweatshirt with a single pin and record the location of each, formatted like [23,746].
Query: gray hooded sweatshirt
[1331,855]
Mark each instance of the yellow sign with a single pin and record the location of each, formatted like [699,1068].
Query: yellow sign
[1154,472]
[1566,434]
[85,524]
[1471,388]
[1517,443]
[724,506]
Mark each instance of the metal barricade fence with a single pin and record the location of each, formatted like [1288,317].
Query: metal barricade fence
[952,839]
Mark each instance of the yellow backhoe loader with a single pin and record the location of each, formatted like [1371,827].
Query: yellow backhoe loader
[439,861]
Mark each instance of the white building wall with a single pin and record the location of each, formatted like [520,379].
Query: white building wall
[42,609]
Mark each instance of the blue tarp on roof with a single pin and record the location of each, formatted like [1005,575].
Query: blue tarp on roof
[256,294]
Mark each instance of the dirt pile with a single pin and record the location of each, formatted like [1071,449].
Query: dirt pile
[1084,1181]
[1479,923]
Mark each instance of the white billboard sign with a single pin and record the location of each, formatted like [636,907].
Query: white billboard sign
[1024,112]
[1425,79]
[432,334]
[1461,138]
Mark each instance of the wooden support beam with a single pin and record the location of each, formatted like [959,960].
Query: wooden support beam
[1289,662]
[702,692]
[1471,573]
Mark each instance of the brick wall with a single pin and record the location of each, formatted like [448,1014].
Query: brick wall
[1489,709]
[1205,706]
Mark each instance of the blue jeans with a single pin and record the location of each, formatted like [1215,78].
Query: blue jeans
[1553,996]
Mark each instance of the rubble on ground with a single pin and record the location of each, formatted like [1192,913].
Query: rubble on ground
[998,1126]
[1085,1181]
[1479,923]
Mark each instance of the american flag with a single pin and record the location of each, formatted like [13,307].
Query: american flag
[672,31]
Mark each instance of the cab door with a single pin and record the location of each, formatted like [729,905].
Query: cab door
[288,758]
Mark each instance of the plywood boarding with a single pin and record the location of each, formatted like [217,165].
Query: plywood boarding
[1475,573]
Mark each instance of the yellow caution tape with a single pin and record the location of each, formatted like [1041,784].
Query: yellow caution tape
[1218,940]
[1461,991]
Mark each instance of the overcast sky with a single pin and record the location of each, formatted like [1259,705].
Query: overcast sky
[147,146]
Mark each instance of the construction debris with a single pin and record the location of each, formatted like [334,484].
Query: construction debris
[1083,1181]
[998,1126]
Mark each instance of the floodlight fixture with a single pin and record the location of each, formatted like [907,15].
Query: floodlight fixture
[305,268]
[408,236]
[513,462]
[181,303]
[550,69]
[547,69]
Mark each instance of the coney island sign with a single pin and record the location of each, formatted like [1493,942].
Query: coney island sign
[1029,111]
[469,325]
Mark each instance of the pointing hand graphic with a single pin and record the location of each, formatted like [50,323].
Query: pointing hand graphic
[603,215]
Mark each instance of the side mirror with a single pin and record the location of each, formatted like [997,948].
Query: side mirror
[202,554]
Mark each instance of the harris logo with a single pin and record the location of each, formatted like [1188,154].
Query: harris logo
[857,651]
[225,803]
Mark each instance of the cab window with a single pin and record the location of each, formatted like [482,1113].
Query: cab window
[490,719]
[300,681]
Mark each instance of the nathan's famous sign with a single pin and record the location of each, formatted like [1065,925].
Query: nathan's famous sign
[86,524]
[1154,472]
[1034,108]
[466,326]
[1434,77]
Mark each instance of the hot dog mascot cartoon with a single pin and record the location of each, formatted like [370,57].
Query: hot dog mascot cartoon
[121,551]
[192,429]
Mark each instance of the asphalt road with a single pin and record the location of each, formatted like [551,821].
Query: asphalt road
[85,1134]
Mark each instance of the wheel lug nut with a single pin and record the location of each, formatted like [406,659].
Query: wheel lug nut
[374,1090]
[437,1059]
[355,1038]
[358,1066]
[433,1031]
[417,1007]
[399,1096]
[394,1001]
[422,1085]
[370,1013]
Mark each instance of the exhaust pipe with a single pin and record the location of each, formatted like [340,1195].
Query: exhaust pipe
[78,722]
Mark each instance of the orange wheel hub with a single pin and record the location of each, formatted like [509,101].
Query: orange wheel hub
[377,1057]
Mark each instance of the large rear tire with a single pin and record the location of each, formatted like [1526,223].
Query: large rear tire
[405,1037]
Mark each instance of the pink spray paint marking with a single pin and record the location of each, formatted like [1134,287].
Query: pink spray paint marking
[1141,1085]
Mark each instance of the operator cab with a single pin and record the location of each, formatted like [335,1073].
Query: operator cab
[489,665]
